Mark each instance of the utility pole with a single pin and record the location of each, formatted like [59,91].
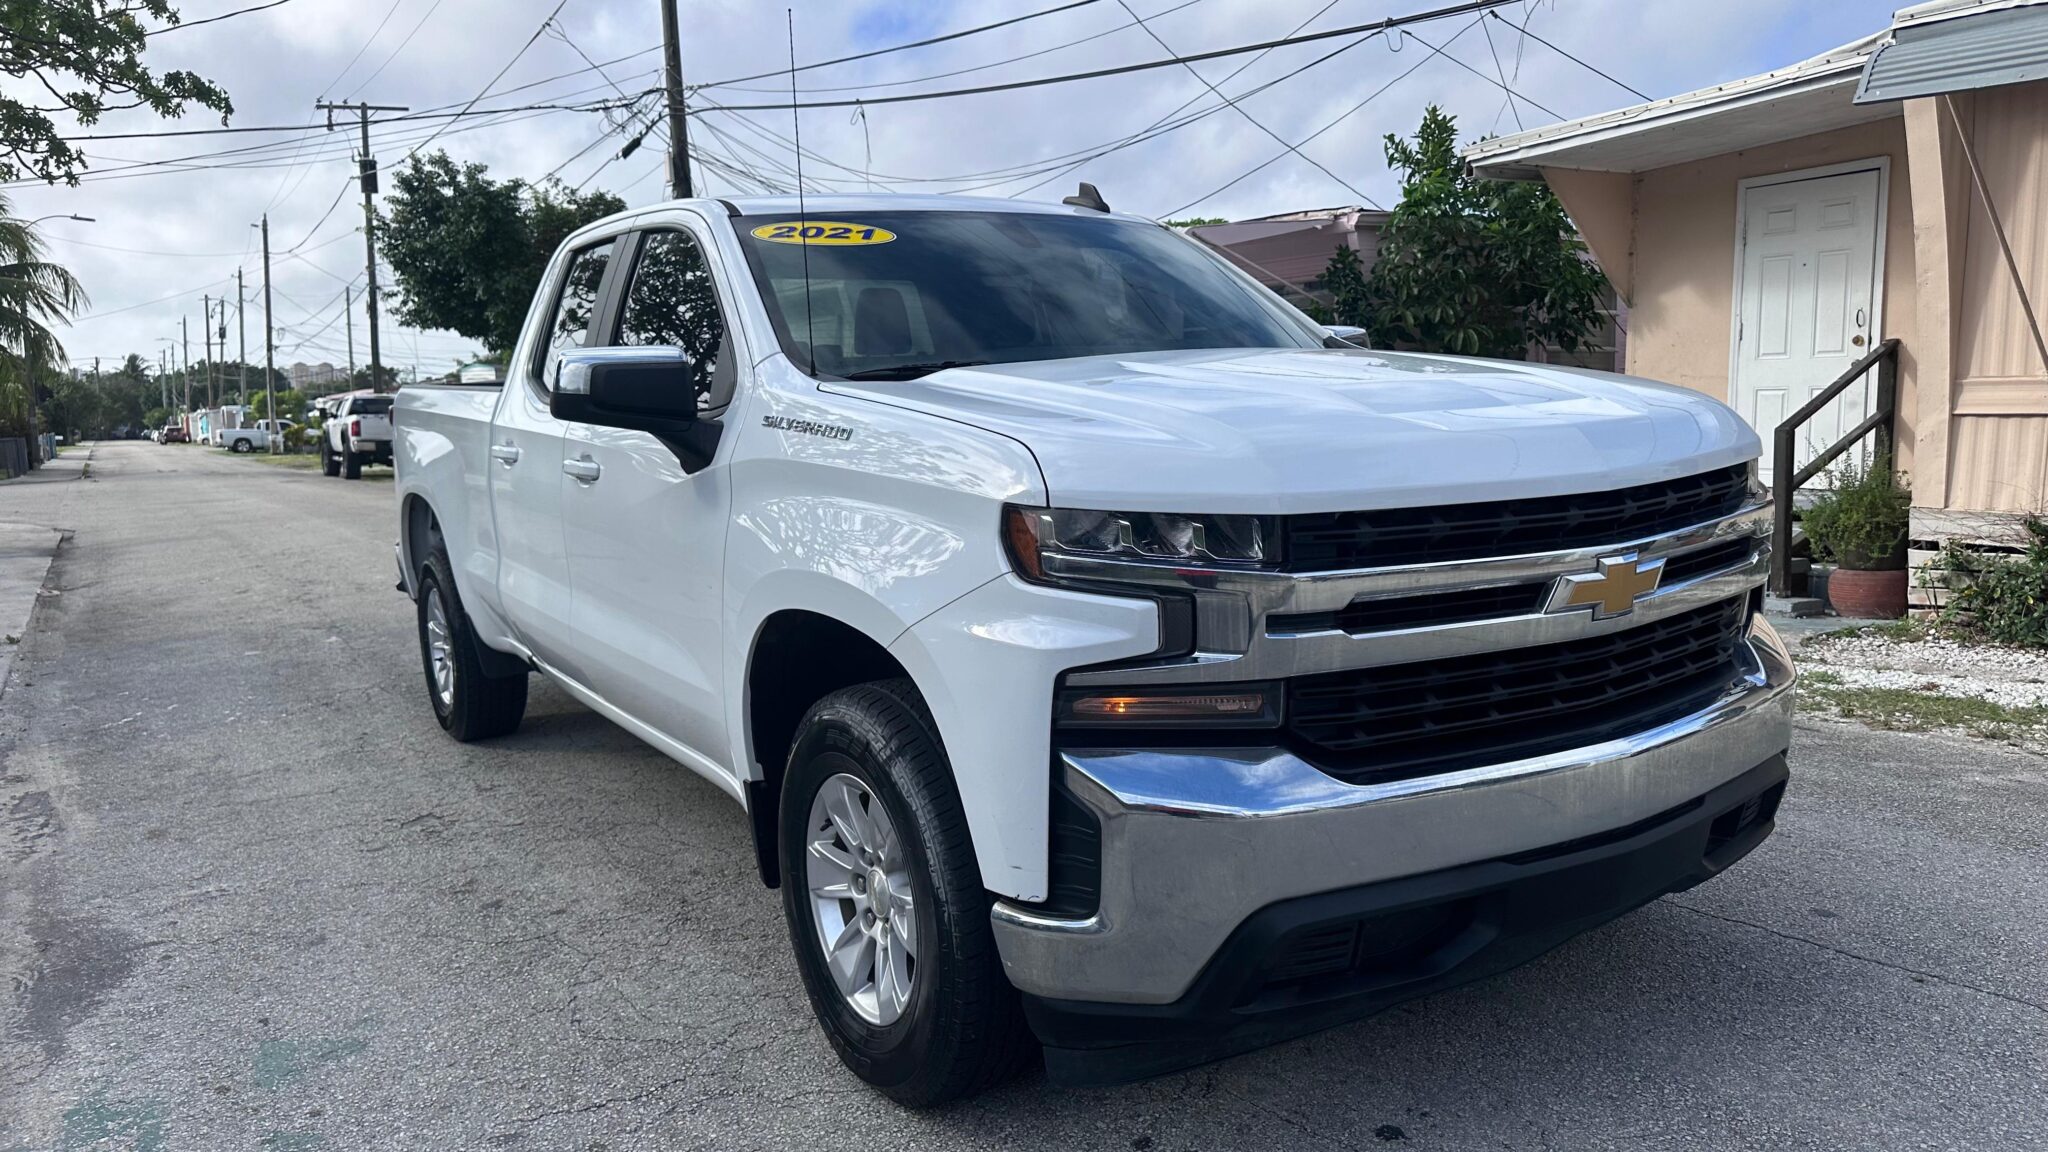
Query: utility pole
[206,343]
[185,377]
[366,174]
[672,82]
[348,322]
[242,338]
[269,370]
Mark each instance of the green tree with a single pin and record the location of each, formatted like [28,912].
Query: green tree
[468,251]
[289,403]
[84,59]
[35,296]
[1194,221]
[1476,267]
[1344,281]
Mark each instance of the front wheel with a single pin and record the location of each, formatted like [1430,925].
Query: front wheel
[886,911]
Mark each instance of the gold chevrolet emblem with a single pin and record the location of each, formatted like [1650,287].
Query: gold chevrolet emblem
[1611,591]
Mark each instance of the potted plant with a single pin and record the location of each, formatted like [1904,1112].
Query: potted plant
[1860,521]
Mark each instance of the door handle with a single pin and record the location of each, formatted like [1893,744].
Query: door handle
[506,454]
[584,469]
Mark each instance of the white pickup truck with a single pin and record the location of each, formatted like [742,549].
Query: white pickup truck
[1111,662]
[357,432]
[258,437]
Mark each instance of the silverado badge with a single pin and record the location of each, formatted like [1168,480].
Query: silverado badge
[1611,591]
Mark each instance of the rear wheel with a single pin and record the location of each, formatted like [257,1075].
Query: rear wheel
[351,461]
[469,703]
[243,445]
[330,465]
[883,896]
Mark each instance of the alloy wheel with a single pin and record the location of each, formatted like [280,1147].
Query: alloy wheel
[440,655]
[861,899]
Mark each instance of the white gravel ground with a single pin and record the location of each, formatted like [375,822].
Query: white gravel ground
[2012,677]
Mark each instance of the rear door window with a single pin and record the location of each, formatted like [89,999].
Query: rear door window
[575,308]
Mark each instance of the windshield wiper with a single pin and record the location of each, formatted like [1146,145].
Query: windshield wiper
[911,371]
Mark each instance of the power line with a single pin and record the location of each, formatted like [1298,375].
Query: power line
[269,155]
[1345,115]
[1483,76]
[1623,85]
[965,32]
[1469,6]
[530,40]
[1135,23]
[431,9]
[374,33]
[1239,109]
[147,303]
[1135,138]
[466,111]
[214,19]
[1066,162]
[1502,71]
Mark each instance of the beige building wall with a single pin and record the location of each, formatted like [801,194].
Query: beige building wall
[1682,311]
[1997,450]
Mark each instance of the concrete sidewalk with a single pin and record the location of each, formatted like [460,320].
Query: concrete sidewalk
[25,554]
[69,465]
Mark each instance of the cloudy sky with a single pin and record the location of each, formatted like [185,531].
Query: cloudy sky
[168,232]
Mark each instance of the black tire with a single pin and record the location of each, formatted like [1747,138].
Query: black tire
[330,465]
[479,705]
[962,1029]
[351,461]
[242,444]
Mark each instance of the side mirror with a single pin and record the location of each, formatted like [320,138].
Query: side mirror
[1345,336]
[645,389]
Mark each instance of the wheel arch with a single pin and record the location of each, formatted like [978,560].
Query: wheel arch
[798,656]
[417,524]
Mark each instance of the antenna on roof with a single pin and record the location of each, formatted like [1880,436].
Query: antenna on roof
[1088,197]
[803,220]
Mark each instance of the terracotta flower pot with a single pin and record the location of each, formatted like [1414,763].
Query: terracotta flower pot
[1868,595]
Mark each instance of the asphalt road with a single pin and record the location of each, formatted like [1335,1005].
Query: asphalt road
[252,898]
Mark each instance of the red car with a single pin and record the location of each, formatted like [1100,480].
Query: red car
[174,434]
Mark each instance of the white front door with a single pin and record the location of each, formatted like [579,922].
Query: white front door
[1806,301]
[646,539]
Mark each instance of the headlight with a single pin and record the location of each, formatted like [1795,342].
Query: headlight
[1035,535]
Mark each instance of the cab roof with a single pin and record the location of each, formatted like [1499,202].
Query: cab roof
[826,207]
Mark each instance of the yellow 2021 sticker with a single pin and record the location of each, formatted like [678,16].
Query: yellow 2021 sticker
[834,232]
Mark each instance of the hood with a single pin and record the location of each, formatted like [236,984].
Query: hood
[1285,431]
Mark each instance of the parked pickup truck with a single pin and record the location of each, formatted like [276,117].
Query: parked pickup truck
[257,438]
[357,432]
[1107,658]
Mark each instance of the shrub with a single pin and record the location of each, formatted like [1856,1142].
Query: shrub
[2003,598]
[1861,521]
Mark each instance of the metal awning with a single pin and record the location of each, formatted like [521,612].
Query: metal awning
[1955,48]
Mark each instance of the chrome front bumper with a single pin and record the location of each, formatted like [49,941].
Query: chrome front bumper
[1195,842]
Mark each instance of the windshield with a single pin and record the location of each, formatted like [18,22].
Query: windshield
[894,295]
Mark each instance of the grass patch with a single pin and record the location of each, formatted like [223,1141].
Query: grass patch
[302,461]
[1913,710]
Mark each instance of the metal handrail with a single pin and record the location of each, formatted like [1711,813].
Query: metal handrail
[1785,480]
